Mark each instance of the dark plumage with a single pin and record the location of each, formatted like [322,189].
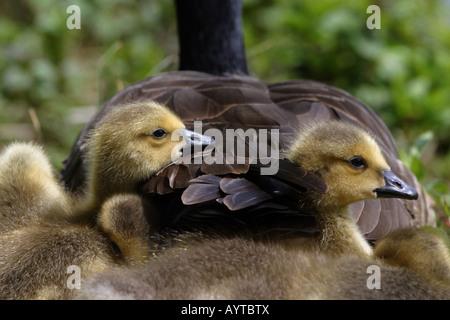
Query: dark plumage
[195,96]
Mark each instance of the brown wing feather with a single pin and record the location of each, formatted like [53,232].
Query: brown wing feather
[370,216]
[386,222]
[245,199]
[199,193]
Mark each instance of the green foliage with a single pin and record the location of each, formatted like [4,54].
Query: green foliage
[438,189]
[413,158]
[55,71]
[400,70]
[439,232]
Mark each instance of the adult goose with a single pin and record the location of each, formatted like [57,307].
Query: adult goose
[213,86]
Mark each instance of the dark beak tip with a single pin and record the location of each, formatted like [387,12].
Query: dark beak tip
[386,193]
[414,194]
[396,188]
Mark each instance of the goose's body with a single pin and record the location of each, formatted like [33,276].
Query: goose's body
[48,260]
[288,107]
[213,86]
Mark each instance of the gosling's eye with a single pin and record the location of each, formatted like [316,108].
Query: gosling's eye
[357,163]
[159,133]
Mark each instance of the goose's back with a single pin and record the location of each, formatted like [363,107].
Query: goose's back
[235,101]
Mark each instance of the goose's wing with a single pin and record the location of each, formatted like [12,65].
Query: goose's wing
[244,102]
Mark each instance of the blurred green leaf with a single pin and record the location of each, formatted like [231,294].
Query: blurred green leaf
[422,140]
[439,232]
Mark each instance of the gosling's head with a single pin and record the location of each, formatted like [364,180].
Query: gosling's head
[134,142]
[350,161]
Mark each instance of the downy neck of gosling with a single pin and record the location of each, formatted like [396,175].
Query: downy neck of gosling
[128,147]
[338,231]
[350,161]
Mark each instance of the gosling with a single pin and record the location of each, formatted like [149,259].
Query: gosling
[241,268]
[349,160]
[129,146]
[48,260]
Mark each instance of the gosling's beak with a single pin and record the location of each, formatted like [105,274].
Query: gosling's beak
[395,188]
[195,142]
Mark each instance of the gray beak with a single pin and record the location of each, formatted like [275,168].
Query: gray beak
[395,188]
[195,142]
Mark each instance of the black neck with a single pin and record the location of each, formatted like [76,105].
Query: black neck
[210,36]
